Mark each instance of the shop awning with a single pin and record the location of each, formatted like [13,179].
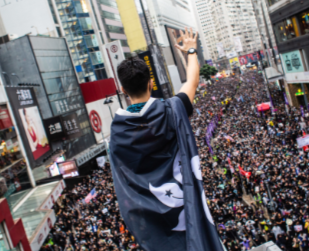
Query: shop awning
[273,75]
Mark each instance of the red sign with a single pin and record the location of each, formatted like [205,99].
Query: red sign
[95,121]
[249,58]
[244,173]
[5,119]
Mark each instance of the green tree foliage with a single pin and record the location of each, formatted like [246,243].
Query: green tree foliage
[206,71]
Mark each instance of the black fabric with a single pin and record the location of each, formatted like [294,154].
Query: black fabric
[186,102]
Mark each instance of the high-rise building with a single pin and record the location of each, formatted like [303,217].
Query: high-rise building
[86,24]
[224,21]
[290,21]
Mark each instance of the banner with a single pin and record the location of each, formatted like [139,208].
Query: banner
[303,141]
[209,62]
[237,44]
[249,58]
[221,51]
[244,173]
[116,56]
[234,62]
[28,118]
[156,89]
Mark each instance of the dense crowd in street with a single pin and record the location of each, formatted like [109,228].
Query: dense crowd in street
[267,203]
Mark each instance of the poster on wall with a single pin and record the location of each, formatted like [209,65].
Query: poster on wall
[181,58]
[292,62]
[29,121]
[156,89]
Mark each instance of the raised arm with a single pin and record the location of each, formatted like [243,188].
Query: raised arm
[193,72]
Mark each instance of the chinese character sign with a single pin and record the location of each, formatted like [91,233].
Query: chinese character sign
[54,128]
[71,126]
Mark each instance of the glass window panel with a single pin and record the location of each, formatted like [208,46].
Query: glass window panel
[96,58]
[81,6]
[110,3]
[48,64]
[91,41]
[86,24]
[115,29]
[110,15]
[53,85]
[303,21]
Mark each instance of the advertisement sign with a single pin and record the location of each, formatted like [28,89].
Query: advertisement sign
[156,89]
[292,62]
[68,169]
[220,49]
[231,54]
[234,62]
[181,58]
[5,119]
[209,62]
[249,58]
[53,196]
[54,129]
[71,126]
[54,170]
[116,56]
[237,44]
[28,118]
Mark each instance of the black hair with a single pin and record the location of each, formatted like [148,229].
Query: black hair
[134,76]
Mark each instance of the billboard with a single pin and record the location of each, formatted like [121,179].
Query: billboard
[68,169]
[209,62]
[181,58]
[221,51]
[156,89]
[237,44]
[116,56]
[249,58]
[29,121]
[234,62]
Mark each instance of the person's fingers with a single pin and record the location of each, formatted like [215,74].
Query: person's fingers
[182,34]
[179,47]
[186,34]
[191,33]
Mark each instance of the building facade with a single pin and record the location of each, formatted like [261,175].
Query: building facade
[86,24]
[224,21]
[290,21]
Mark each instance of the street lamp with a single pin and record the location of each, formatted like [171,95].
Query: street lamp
[109,101]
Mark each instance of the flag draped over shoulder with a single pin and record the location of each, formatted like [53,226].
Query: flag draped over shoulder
[158,179]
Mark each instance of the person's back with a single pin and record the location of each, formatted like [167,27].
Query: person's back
[153,155]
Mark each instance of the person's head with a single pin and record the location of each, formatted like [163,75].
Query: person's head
[134,76]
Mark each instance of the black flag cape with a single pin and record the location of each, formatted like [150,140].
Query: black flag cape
[158,180]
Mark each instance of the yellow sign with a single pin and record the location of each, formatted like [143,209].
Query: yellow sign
[234,62]
[155,87]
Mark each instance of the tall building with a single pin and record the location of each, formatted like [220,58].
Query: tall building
[223,21]
[290,21]
[86,24]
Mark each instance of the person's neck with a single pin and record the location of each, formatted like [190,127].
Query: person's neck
[143,99]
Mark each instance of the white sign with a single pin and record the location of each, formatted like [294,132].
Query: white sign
[84,157]
[220,49]
[232,54]
[42,233]
[53,196]
[303,141]
[238,45]
[116,56]
[9,144]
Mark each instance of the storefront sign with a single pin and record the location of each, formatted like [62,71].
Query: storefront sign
[156,89]
[71,126]
[53,127]
[43,231]
[83,158]
[292,62]
[5,119]
[29,122]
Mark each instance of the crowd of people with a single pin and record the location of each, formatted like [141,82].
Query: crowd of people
[255,176]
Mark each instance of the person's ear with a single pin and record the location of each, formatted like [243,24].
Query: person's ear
[150,85]
[122,89]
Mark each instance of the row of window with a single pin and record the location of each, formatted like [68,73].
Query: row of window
[292,27]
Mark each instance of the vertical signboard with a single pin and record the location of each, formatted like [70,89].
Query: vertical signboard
[221,51]
[28,118]
[156,89]
[292,62]
[116,56]
[238,45]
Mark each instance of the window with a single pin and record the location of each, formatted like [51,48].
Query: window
[303,21]
[110,3]
[115,29]
[110,15]
[286,30]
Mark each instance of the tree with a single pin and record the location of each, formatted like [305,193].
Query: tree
[206,71]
